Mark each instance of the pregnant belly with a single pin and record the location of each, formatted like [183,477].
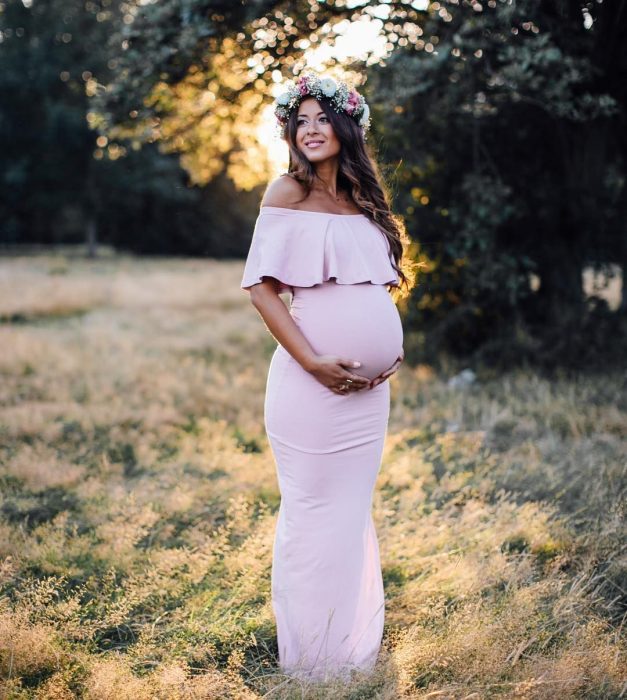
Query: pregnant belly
[355,321]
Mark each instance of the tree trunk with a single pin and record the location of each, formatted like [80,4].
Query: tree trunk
[561,285]
[92,208]
[92,236]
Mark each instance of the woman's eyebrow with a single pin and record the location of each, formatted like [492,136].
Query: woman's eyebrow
[304,115]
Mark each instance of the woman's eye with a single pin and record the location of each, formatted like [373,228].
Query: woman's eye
[300,122]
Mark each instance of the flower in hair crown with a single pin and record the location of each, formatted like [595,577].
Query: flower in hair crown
[343,98]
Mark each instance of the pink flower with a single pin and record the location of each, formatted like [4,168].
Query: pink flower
[303,87]
[353,102]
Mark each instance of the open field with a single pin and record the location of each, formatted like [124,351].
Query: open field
[139,499]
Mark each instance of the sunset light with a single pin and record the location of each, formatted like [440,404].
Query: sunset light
[358,40]
[359,432]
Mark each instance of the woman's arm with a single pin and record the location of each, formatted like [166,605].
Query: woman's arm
[327,369]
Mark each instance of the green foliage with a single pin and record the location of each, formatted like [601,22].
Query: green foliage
[44,137]
[516,119]
[56,181]
[167,38]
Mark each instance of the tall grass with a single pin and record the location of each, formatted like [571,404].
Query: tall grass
[139,501]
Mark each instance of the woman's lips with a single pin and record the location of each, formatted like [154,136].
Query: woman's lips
[314,144]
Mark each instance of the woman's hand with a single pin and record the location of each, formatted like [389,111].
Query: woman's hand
[388,372]
[330,371]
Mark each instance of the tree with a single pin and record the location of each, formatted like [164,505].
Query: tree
[194,74]
[63,178]
[48,59]
[518,132]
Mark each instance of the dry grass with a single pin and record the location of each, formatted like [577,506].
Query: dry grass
[139,500]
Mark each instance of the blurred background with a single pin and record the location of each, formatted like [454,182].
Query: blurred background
[500,126]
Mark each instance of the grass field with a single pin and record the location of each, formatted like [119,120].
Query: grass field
[139,500]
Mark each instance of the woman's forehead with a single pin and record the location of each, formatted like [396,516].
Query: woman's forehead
[310,106]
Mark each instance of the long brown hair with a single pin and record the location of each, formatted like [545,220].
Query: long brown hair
[359,175]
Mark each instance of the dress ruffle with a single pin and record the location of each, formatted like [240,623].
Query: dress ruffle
[304,248]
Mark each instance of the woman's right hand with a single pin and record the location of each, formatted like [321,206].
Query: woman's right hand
[330,371]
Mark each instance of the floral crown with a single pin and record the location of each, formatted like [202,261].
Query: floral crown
[343,99]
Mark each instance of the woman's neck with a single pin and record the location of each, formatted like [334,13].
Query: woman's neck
[326,178]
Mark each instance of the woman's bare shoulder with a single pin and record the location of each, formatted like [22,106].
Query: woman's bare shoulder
[284,191]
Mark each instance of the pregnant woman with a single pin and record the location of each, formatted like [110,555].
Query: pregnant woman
[325,234]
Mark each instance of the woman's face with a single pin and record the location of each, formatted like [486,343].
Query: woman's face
[314,134]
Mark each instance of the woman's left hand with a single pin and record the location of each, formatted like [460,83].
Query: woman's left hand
[388,372]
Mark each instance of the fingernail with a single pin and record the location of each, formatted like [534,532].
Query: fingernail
[356,364]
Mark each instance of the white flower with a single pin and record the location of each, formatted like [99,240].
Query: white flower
[364,116]
[328,87]
[283,98]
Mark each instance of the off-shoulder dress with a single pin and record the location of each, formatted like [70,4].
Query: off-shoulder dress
[327,588]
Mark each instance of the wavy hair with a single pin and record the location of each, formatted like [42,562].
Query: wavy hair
[359,175]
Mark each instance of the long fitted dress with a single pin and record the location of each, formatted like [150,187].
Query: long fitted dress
[327,588]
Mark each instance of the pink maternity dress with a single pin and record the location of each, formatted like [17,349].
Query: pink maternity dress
[327,588]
